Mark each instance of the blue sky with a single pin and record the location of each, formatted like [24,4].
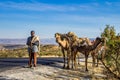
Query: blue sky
[87,18]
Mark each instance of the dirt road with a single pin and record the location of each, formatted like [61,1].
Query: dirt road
[47,69]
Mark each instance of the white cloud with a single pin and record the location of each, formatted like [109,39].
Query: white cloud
[108,3]
[37,6]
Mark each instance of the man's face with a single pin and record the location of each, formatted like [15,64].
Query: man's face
[32,34]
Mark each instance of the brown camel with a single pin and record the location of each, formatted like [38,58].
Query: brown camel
[99,53]
[96,54]
[82,42]
[78,41]
[64,43]
[86,49]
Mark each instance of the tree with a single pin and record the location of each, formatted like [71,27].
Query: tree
[112,32]
[109,32]
[111,60]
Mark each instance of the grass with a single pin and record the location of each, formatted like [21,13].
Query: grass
[50,50]
[45,50]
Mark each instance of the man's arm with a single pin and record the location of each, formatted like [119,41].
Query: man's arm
[36,43]
[28,41]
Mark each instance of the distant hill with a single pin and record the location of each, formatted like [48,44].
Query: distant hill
[23,41]
[11,46]
[20,43]
[48,41]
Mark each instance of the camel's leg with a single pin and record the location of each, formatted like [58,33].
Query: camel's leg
[68,59]
[86,58]
[74,54]
[97,62]
[72,57]
[78,59]
[63,57]
[75,63]
[93,59]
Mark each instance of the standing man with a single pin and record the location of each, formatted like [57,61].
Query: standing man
[33,48]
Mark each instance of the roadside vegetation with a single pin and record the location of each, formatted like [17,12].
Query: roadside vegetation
[112,54]
[45,50]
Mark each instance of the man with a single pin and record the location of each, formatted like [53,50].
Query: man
[33,48]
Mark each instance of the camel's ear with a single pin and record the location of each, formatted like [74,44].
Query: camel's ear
[56,34]
[98,38]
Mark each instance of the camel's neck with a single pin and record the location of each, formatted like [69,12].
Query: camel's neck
[95,45]
[99,47]
[62,43]
[88,41]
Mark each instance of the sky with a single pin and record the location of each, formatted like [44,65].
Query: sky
[87,18]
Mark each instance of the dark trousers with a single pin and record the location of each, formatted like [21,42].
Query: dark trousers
[33,56]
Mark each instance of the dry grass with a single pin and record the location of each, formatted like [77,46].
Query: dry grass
[50,50]
[45,50]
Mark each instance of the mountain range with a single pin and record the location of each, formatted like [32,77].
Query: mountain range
[20,43]
[23,41]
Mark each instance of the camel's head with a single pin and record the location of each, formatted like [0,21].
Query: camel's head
[98,39]
[57,36]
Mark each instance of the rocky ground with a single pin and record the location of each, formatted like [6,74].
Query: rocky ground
[48,69]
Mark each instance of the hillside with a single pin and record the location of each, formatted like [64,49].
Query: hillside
[23,41]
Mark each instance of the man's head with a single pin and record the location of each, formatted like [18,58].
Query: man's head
[32,33]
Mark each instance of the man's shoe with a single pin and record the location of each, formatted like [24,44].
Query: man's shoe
[30,66]
[34,65]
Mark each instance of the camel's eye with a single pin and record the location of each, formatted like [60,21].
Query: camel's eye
[62,38]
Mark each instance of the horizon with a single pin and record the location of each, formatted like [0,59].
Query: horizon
[86,18]
[40,38]
[23,41]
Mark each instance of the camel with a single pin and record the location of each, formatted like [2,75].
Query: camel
[98,53]
[82,42]
[64,43]
[78,41]
[85,49]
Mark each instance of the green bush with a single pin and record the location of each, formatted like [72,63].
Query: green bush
[112,58]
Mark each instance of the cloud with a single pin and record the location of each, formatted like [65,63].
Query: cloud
[37,6]
[78,7]
[93,7]
[108,3]
[113,4]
